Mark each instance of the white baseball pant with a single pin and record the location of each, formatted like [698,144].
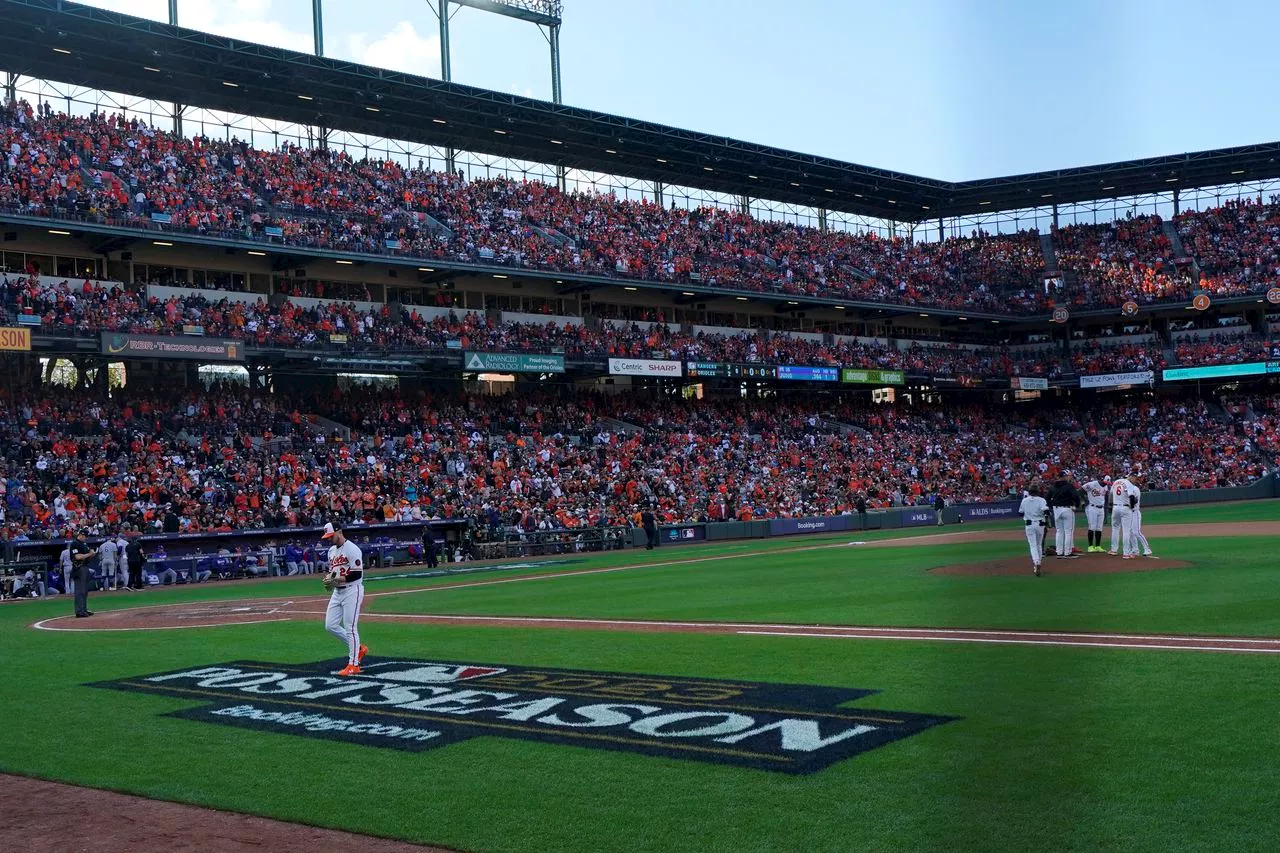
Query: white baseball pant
[1121,529]
[343,614]
[1035,539]
[1094,516]
[108,574]
[1064,522]
[1136,539]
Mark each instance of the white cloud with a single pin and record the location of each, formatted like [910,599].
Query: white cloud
[401,49]
[247,20]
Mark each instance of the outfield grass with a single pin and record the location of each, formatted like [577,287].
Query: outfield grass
[1058,749]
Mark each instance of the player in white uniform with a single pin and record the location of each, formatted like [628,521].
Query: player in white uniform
[1136,539]
[346,574]
[1033,510]
[1121,516]
[1095,512]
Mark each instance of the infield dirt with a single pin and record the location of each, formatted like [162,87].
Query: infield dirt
[50,817]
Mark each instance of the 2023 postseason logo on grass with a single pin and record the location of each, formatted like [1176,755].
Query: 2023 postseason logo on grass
[420,705]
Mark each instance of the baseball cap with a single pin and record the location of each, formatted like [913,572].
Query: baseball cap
[1107,478]
[330,529]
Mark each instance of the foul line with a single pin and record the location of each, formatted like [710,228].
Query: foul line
[1018,641]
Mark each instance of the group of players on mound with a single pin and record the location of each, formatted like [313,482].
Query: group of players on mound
[1058,506]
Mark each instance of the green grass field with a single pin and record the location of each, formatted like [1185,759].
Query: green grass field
[1055,748]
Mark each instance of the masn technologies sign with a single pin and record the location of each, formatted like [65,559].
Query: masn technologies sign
[501,362]
[421,705]
[645,367]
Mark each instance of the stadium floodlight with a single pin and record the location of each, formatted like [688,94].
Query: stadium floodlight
[543,13]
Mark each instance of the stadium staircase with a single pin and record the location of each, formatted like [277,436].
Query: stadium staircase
[1175,240]
[1049,252]
[620,427]
[843,428]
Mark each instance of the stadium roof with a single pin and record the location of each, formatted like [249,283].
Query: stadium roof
[88,46]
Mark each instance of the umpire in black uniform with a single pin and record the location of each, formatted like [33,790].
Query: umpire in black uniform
[81,556]
[650,524]
[430,548]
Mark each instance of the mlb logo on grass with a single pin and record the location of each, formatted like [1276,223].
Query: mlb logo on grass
[422,705]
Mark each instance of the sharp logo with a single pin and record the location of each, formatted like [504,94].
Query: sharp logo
[422,705]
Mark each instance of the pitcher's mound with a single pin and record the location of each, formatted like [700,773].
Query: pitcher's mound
[1085,564]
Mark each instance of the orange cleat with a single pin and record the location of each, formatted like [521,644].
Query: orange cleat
[349,669]
[364,650]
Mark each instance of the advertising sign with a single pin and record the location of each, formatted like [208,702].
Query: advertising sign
[1214,371]
[873,377]
[1029,383]
[126,345]
[1110,380]
[688,533]
[501,362]
[810,374]
[791,526]
[645,367]
[15,340]
[984,512]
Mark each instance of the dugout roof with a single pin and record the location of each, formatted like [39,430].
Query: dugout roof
[143,58]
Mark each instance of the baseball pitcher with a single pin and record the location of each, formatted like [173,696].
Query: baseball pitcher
[345,579]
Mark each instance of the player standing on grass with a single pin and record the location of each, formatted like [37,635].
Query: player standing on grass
[345,578]
[1033,510]
[1095,512]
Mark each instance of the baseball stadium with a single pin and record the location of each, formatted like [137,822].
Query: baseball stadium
[394,464]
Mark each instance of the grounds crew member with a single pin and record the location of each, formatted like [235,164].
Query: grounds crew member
[1033,511]
[1064,499]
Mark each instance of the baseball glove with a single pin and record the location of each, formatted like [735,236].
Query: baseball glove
[330,581]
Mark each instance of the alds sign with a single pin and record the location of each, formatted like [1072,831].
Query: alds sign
[419,705]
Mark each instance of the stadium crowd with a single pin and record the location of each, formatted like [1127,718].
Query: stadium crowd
[233,459]
[87,308]
[120,170]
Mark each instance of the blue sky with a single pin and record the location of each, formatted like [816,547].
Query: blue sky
[956,90]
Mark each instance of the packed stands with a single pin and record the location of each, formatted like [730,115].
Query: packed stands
[108,168]
[237,459]
[1237,245]
[1207,349]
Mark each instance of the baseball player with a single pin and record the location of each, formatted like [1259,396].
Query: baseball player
[1136,539]
[1095,512]
[1033,510]
[1064,499]
[345,578]
[1121,516]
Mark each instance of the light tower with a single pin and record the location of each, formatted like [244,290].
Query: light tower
[545,14]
